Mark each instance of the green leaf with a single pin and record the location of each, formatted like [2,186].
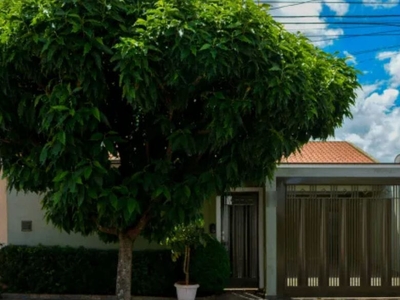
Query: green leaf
[275,68]
[193,49]
[78,180]
[97,136]
[114,201]
[43,155]
[60,176]
[46,45]
[98,180]
[127,215]
[243,38]
[205,47]
[61,137]
[187,191]
[132,204]
[213,53]
[109,146]
[56,197]
[92,193]
[96,113]
[87,172]
[59,107]
[87,48]
[97,164]
[167,194]
[158,192]
[81,198]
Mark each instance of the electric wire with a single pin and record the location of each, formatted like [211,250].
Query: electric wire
[289,5]
[376,49]
[341,23]
[338,16]
[328,2]
[387,20]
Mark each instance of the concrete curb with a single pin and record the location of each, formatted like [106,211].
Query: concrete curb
[12,296]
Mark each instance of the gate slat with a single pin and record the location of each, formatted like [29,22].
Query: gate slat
[302,246]
[387,242]
[365,270]
[344,274]
[323,279]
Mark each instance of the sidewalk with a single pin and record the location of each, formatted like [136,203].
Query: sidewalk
[225,296]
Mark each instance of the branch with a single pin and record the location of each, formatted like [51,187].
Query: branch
[135,231]
[204,132]
[148,152]
[112,231]
[5,141]
[169,151]
[200,156]
[196,82]
[170,116]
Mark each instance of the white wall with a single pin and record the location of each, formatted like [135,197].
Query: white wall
[3,211]
[27,207]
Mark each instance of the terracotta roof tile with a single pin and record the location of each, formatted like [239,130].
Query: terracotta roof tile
[332,152]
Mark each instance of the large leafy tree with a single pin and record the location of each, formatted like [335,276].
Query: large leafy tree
[191,96]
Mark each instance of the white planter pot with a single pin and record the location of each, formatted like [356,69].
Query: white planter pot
[186,292]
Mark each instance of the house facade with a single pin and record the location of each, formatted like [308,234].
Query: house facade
[327,225]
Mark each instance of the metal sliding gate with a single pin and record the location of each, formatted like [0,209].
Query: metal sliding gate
[339,241]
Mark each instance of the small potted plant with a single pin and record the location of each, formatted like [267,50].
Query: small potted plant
[183,240]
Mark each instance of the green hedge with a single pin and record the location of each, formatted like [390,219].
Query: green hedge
[57,270]
[63,270]
[210,267]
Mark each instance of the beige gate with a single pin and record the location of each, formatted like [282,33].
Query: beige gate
[339,241]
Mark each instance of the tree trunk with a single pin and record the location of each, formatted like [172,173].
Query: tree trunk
[124,271]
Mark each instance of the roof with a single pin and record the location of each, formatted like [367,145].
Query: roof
[332,152]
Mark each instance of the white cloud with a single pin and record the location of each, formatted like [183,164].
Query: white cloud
[350,58]
[381,3]
[375,126]
[385,54]
[340,8]
[311,25]
[393,66]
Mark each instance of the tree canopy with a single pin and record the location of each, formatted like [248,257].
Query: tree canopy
[192,96]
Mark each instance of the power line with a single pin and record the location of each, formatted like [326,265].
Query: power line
[376,49]
[344,36]
[327,2]
[347,27]
[374,58]
[293,4]
[341,23]
[359,34]
[335,16]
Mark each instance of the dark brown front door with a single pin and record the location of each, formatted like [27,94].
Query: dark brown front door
[240,237]
[340,241]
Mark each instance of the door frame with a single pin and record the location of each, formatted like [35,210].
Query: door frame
[261,222]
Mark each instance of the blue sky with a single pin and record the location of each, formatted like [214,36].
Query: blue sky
[368,32]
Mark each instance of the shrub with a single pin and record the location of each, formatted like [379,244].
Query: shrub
[185,239]
[210,267]
[57,270]
[64,270]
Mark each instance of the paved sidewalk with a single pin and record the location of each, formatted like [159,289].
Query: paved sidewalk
[232,295]
[238,296]
[225,296]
